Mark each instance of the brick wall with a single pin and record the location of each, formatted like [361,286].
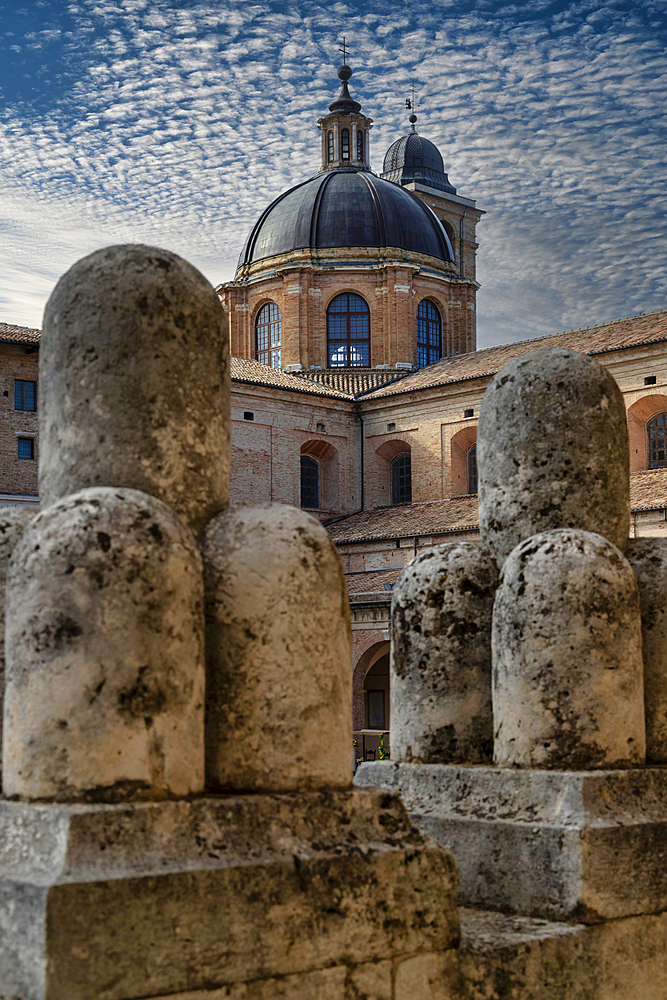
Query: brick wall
[17,475]
[391,290]
[267,449]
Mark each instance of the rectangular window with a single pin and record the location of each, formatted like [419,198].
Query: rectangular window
[376,709]
[26,448]
[25,395]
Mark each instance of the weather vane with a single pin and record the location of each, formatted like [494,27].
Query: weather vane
[411,104]
[343,48]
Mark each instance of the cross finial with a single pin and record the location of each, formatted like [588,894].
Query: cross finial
[342,47]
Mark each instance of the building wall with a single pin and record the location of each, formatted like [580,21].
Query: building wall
[19,475]
[266,451]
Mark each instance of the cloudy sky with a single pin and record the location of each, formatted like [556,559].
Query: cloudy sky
[174,122]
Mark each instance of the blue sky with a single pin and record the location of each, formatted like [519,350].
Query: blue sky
[176,123]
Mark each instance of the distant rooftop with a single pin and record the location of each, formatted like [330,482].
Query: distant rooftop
[614,336]
[11,334]
[255,373]
[648,491]
[354,381]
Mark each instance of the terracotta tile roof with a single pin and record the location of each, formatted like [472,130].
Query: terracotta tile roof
[18,334]
[372,585]
[354,381]
[455,514]
[648,491]
[244,370]
[614,336]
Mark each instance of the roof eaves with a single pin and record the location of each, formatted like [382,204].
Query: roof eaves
[332,393]
[407,534]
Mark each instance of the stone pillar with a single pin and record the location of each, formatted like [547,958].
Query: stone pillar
[648,558]
[278,652]
[13,521]
[567,665]
[105,664]
[441,656]
[134,382]
[552,451]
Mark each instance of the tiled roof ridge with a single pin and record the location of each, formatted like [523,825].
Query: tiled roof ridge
[648,491]
[243,368]
[356,381]
[14,334]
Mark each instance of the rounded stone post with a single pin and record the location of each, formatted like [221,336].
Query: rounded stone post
[567,663]
[104,695]
[134,384]
[278,653]
[13,522]
[552,451]
[648,558]
[441,656]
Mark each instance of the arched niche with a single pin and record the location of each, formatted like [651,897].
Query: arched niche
[387,454]
[327,459]
[639,415]
[461,444]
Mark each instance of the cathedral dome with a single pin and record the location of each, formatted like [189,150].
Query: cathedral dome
[346,207]
[415,159]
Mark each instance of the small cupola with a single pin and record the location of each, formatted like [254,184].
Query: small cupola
[345,131]
[414,159]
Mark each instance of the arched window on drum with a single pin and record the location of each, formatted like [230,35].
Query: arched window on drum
[268,335]
[348,332]
[656,428]
[429,333]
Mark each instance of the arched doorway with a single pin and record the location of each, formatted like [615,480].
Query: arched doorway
[371,701]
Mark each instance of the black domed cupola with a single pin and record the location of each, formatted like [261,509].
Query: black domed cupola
[413,159]
[346,208]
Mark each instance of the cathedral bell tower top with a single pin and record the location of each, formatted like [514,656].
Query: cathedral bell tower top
[345,131]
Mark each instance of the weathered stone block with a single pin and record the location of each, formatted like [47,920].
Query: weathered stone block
[556,844]
[369,981]
[507,958]
[154,899]
[134,382]
[278,651]
[105,652]
[567,663]
[648,558]
[552,451]
[13,522]
[441,656]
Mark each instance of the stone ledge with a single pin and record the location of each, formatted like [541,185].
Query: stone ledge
[80,842]
[117,902]
[563,845]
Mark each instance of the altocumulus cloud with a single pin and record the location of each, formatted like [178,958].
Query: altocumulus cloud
[176,123]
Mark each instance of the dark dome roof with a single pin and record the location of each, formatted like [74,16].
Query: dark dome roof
[413,158]
[346,208]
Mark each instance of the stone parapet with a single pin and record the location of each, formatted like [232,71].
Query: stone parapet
[563,845]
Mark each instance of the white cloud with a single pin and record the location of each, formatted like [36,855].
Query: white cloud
[178,126]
